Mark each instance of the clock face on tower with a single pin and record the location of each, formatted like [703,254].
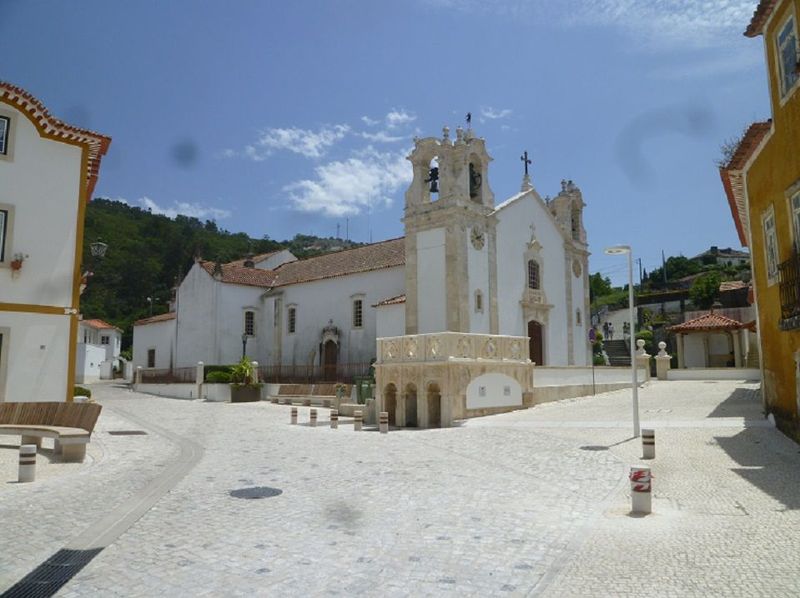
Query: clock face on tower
[477,237]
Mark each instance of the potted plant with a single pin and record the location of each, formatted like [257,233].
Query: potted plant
[243,389]
[16,262]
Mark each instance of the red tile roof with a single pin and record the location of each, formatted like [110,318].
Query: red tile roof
[707,323]
[732,175]
[760,17]
[235,274]
[391,301]
[170,315]
[376,256]
[96,143]
[99,325]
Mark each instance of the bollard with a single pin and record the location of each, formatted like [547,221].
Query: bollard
[357,419]
[27,463]
[294,415]
[313,418]
[334,419]
[384,422]
[641,490]
[648,444]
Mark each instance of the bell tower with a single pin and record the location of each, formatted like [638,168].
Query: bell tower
[450,237]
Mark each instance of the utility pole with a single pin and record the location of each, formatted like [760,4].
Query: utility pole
[638,259]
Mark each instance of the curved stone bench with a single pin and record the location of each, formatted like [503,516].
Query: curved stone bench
[69,424]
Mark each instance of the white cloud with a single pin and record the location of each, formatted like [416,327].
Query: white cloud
[492,114]
[382,137]
[662,24]
[344,188]
[311,144]
[369,121]
[396,118]
[183,208]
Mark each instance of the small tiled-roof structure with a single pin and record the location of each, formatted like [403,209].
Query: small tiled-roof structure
[376,256]
[53,127]
[255,259]
[99,325]
[760,17]
[398,300]
[236,274]
[732,175]
[170,315]
[709,322]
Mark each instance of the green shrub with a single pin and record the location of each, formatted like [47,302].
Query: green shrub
[598,359]
[81,391]
[218,377]
[242,374]
[217,368]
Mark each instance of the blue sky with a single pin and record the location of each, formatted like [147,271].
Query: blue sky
[280,118]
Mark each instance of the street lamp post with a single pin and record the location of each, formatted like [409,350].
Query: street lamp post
[616,250]
[244,344]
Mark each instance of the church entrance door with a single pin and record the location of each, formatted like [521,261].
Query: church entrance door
[329,361]
[536,342]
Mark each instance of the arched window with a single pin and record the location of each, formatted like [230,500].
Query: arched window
[249,323]
[533,275]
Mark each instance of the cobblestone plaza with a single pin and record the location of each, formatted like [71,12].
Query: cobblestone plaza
[534,502]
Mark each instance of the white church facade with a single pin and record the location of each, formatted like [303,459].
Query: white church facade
[464,265]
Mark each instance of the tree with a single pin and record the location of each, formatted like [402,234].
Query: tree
[705,290]
[599,286]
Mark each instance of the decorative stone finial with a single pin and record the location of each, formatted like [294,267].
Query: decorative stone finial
[662,349]
[459,135]
[446,134]
[526,183]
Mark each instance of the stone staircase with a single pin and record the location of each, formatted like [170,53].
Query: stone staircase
[618,353]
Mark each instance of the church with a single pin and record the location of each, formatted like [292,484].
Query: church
[465,264]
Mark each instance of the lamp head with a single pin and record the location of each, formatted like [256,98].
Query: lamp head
[617,249]
[98,249]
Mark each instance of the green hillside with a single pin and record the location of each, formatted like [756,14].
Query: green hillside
[148,252]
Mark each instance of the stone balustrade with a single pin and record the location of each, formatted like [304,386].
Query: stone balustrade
[452,346]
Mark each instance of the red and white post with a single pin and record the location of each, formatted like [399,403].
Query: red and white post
[641,490]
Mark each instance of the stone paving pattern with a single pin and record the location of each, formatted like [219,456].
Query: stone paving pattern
[530,502]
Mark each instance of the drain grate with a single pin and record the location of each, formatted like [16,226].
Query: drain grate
[255,492]
[593,447]
[49,577]
[127,432]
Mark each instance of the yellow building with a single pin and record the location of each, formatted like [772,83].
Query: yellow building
[762,182]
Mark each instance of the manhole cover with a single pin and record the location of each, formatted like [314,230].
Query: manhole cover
[255,492]
[127,432]
[593,447]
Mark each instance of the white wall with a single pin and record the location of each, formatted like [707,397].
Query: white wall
[391,320]
[276,260]
[37,348]
[87,362]
[513,235]
[693,351]
[159,336]
[42,181]
[431,281]
[478,272]
[580,332]
[493,390]
[234,300]
[331,299]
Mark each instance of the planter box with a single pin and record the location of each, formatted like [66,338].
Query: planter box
[245,394]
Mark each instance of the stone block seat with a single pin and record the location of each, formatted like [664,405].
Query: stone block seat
[322,395]
[69,424]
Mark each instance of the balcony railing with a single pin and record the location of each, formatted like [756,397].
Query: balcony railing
[790,292]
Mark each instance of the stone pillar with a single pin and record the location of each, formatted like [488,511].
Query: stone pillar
[199,379]
[138,378]
[643,359]
[737,348]
[255,371]
[662,361]
[681,352]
